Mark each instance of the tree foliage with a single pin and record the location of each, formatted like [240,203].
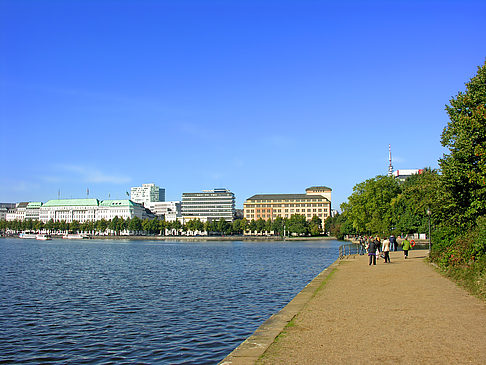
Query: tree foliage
[464,167]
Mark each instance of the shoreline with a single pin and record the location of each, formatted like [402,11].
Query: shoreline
[254,346]
[199,238]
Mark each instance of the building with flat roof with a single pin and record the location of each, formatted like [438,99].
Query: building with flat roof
[209,205]
[315,202]
[17,213]
[403,174]
[147,193]
[169,211]
[84,210]
[126,209]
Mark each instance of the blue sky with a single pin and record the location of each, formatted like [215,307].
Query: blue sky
[256,96]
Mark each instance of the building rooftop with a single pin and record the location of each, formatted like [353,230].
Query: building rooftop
[34,205]
[117,203]
[284,197]
[318,188]
[72,202]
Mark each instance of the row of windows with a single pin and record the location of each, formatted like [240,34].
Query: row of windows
[284,201]
[287,205]
[268,216]
[287,210]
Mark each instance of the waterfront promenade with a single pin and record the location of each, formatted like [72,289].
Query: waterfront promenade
[398,313]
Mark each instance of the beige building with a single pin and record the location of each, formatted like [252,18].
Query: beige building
[315,202]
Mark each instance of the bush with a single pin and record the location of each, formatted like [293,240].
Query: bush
[463,257]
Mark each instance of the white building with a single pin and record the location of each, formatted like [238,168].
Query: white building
[147,193]
[126,209]
[32,211]
[83,210]
[403,174]
[209,205]
[170,211]
[17,213]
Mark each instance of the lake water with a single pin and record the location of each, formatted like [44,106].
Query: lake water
[89,302]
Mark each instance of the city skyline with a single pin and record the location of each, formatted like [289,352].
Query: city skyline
[259,97]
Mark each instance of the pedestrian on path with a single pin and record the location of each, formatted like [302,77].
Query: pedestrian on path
[386,250]
[372,247]
[393,243]
[378,245]
[406,246]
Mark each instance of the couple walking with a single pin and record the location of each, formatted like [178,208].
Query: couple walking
[374,248]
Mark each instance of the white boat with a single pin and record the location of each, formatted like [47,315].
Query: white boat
[27,235]
[75,236]
[43,237]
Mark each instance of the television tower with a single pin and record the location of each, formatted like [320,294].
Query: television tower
[390,167]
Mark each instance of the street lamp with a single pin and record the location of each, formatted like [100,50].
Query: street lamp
[428,213]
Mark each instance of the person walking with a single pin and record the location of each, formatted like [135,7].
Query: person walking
[393,243]
[386,250]
[406,246]
[371,248]
[378,245]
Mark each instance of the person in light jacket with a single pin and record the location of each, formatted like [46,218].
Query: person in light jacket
[386,250]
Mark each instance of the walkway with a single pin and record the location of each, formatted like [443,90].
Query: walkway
[398,313]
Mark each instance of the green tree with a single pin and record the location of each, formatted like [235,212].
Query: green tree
[162,226]
[278,226]
[368,209]
[260,225]
[113,225]
[298,224]
[236,226]
[464,167]
[315,226]
[252,226]
[75,226]
[135,225]
[223,226]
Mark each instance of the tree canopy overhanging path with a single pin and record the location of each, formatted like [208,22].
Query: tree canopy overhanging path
[403,312]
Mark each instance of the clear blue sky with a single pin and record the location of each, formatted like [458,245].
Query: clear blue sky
[256,96]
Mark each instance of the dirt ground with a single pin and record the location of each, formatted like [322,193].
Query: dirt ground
[402,312]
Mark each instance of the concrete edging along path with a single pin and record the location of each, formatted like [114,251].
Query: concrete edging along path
[250,350]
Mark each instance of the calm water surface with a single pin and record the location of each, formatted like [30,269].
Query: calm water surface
[148,302]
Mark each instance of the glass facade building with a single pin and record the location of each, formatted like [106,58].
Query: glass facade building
[209,205]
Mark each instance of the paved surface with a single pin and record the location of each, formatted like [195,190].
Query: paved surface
[398,313]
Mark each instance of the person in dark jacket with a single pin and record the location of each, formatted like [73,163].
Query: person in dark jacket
[372,247]
[393,243]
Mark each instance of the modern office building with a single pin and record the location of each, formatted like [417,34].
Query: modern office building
[147,193]
[209,205]
[315,202]
[169,211]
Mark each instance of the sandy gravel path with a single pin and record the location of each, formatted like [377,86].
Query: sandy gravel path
[398,313]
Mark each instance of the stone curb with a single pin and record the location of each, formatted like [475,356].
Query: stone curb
[250,350]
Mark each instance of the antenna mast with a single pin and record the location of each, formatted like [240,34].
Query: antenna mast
[390,167]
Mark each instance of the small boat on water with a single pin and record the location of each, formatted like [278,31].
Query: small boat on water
[75,236]
[43,237]
[31,236]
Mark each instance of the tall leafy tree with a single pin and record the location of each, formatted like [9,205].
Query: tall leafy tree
[464,167]
[369,207]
